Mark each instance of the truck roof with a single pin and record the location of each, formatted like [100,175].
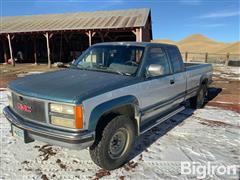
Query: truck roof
[132,43]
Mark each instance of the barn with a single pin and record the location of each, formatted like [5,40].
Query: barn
[53,38]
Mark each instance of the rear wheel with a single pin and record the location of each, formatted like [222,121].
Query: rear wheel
[197,101]
[113,148]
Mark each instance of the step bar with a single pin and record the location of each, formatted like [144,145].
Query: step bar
[164,118]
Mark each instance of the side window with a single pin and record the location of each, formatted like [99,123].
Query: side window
[158,56]
[175,58]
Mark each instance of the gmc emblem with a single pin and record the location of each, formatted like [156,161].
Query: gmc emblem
[25,108]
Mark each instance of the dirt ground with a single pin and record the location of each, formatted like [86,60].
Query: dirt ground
[8,72]
[224,92]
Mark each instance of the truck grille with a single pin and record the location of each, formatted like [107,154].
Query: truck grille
[28,108]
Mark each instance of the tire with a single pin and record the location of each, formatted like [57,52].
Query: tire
[112,150]
[197,101]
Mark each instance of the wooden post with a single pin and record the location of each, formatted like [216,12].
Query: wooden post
[206,57]
[5,51]
[137,35]
[186,56]
[227,59]
[35,50]
[48,50]
[140,34]
[136,32]
[90,38]
[10,49]
[90,34]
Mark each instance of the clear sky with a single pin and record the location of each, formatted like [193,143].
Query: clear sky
[172,19]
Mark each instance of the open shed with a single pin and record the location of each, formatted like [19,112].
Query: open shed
[62,37]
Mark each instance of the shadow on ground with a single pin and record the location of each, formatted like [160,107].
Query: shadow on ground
[147,139]
[212,93]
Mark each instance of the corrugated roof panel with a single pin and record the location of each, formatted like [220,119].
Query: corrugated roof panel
[125,21]
[72,21]
[131,21]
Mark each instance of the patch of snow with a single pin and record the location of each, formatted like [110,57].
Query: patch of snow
[227,72]
[206,135]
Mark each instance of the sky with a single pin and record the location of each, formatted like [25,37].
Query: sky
[171,19]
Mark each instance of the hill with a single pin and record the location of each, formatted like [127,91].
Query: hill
[201,43]
[233,48]
[197,38]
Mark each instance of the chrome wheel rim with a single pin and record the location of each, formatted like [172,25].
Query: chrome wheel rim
[118,143]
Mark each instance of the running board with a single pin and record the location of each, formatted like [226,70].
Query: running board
[164,118]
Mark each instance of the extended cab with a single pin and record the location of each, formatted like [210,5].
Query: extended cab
[112,93]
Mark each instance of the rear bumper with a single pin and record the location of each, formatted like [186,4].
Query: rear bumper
[76,140]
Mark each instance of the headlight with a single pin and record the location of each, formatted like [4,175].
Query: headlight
[65,122]
[64,109]
[72,116]
[9,96]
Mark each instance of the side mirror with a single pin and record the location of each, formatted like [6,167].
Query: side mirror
[155,70]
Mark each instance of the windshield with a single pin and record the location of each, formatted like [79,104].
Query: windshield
[114,59]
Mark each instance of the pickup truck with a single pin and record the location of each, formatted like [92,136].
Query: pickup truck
[111,94]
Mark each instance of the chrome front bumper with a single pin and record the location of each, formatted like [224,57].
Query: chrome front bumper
[76,140]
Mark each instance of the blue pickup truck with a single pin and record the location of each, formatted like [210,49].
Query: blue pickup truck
[110,95]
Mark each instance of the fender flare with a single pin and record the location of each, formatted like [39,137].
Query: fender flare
[203,78]
[107,106]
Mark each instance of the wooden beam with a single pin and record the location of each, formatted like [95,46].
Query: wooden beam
[89,34]
[106,34]
[137,34]
[5,51]
[101,36]
[10,49]
[134,32]
[140,35]
[50,35]
[66,38]
[35,50]
[48,49]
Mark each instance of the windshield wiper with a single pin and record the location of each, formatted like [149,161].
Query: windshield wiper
[122,73]
[101,69]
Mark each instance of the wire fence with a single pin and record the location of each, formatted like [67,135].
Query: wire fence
[214,58]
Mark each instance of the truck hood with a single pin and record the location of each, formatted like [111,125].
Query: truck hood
[70,85]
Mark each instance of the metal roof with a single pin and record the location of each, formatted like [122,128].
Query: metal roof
[75,21]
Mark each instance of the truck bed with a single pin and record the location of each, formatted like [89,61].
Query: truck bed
[195,65]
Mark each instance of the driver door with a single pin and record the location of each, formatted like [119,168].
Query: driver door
[157,89]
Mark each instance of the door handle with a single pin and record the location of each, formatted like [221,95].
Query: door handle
[172,81]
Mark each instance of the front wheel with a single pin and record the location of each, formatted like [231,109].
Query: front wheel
[197,101]
[113,149]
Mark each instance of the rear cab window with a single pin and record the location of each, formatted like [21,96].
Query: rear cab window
[175,59]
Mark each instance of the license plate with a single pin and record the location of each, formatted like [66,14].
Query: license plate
[21,134]
[18,133]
